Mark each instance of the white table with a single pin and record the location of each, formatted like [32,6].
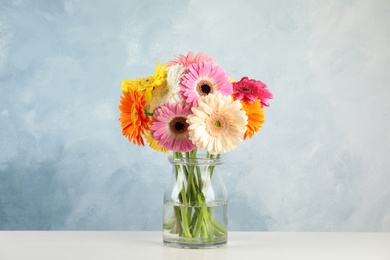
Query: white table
[129,245]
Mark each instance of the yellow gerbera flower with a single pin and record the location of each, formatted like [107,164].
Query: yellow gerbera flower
[148,84]
[255,115]
[128,84]
[168,92]
[154,143]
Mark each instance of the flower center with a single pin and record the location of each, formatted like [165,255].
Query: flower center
[216,125]
[246,90]
[204,87]
[178,125]
[146,81]
[164,91]
[134,114]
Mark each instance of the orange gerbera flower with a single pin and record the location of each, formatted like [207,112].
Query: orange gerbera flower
[132,116]
[255,115]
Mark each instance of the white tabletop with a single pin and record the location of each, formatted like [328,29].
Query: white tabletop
[131,245]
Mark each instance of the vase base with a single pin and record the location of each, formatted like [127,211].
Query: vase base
[174,240]
[181,245]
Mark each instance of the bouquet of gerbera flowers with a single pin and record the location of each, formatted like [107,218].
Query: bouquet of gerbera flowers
[190,104]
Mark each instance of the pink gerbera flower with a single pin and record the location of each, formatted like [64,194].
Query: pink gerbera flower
[186,61]
[203,79]
[250,89]
[170,128]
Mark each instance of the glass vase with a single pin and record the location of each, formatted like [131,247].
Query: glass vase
[195,204]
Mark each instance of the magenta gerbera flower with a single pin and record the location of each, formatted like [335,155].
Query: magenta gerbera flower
[186,61]
[203,79]
[250,89]
[170,128]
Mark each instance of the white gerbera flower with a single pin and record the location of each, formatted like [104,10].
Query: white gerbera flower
[168,92]
[218,124]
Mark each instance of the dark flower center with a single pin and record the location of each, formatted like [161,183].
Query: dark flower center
[178,125]
[246,89]
[205,87]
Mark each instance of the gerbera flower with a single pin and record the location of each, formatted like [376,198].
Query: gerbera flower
[168,92]
[146,85]
[218,123]
[154,143]
[255,114]
[203,79]
[132,116]
[129,84]
[170,128]
[250,89]
[186,61]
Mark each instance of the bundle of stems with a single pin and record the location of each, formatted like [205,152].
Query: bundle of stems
[193,217]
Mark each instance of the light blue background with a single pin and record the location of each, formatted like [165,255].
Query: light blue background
[320,163]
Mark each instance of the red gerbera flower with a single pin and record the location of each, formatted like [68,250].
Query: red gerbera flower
[249,90]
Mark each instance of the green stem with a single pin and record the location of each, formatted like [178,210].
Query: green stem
[198,223]
[212,167]
[184,200]
[179,228]
[220,228]
[199,176]
[186,228]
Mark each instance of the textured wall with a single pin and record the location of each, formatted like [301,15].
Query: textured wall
[320,163]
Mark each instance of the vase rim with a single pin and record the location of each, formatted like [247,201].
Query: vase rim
[195,161]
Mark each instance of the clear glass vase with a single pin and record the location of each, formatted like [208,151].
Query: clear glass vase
[195,204]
